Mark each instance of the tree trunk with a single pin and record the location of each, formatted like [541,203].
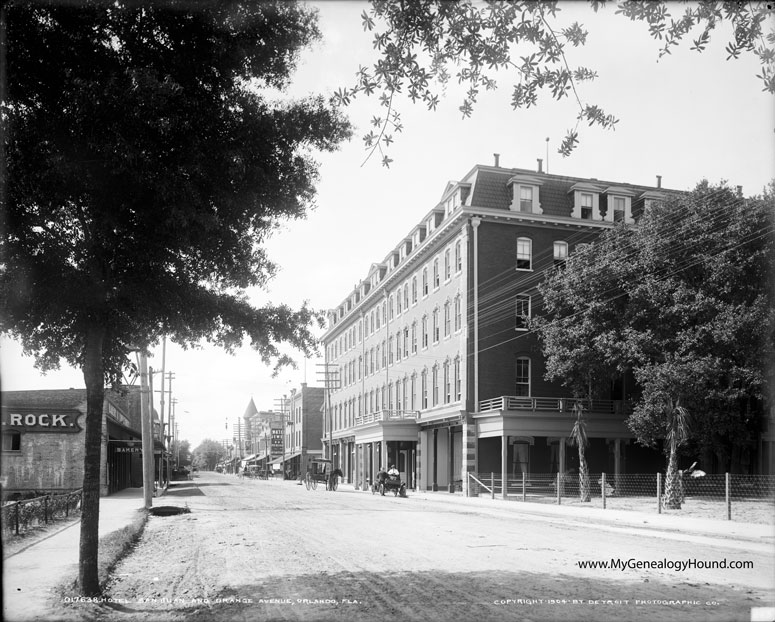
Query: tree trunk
[94,376]
[584,490]
[673,482]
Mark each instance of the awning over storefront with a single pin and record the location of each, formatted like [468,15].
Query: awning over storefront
[287,458]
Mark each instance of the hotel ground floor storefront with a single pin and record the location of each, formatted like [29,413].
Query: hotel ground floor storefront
[504,443]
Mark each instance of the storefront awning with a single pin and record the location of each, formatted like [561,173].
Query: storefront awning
[287,458]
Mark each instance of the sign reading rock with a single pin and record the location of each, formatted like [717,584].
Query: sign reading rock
[38,420]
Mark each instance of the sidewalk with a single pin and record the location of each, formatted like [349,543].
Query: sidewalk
[674,523]
[30,575]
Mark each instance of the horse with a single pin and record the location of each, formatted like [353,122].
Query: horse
[333,479]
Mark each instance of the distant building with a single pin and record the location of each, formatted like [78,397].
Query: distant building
[43,440]
[435,370]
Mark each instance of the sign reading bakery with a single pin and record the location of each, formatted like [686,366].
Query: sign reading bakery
[40,420]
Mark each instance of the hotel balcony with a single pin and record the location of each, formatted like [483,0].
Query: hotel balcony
[387,415]
[553,404]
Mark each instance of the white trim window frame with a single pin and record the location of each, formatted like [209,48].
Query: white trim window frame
[524,254]
[522,311]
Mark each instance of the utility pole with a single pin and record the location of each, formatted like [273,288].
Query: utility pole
[161,409]
[147,432]
[330,373]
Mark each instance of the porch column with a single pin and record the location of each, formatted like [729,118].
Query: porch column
[383,457]
[434,485]
[504,464]
[356,465]
[451,461]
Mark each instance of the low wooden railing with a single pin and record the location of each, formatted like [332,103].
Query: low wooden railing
[556,404]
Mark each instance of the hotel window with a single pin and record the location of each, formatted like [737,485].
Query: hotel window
[524,254]
[586,206]
[390,308]
[377,398]
[398,346]
[413,388]
[458,314]
[377,360]
[458,257]
[436,329]
[12,440]
[378,321]
[435,385]
[360,367]
[384,354]
[390,396]
[523,377]
[447,265]
[398,302]
[405,405]
[618,207]
[424,331]
[525,199]
[390,350]
[457,379]
[406,341]
[447,384]
[436,275]
[398,395]
[414,290]
[414,338]
[522,311]
[424,388]
[425,281]
[406,295]
[447,320]
[560,253]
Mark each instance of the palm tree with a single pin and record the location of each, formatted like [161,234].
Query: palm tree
[677,433]
[578,437]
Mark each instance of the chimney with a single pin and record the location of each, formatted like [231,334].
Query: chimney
[497,157]
[659,181]
[540,165]
[740,191]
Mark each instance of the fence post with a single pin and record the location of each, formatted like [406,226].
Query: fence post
[17,518]
[524,482]
[729,496]
[558,488]
[659,493]
[492,485]
[602,487]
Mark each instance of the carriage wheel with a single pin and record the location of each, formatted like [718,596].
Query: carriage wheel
[382,489]
[314,483]
[307,481]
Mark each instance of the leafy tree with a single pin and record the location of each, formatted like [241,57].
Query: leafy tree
[685,301]
[424,44]
[208,454]
[149,154]
[182,451]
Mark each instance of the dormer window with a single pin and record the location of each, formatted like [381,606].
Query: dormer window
[525,194]
[586,201]
[586,206]
[619,205]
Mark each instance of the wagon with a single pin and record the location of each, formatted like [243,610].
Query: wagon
[321,470]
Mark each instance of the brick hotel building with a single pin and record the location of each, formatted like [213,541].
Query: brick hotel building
[434,368]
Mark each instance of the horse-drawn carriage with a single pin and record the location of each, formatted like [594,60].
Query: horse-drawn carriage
[388,483]
[322,471]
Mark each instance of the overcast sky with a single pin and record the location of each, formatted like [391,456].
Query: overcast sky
[687,116]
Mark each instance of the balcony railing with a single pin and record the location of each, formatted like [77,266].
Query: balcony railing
[556,404]
[387,415]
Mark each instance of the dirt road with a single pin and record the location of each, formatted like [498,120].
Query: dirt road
[271,550]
